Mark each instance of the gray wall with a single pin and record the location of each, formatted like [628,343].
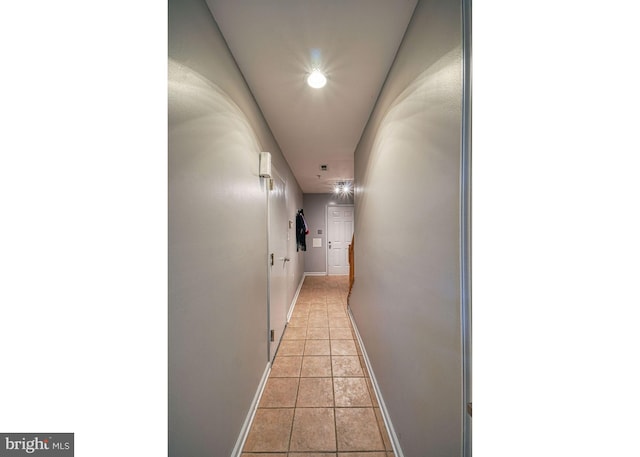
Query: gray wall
[406,296]
[217,237]
[315,211]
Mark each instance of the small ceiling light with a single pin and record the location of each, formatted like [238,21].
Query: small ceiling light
[316,79]
[342,188]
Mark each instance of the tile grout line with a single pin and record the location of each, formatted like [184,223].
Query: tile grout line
[324,291]
[295,403]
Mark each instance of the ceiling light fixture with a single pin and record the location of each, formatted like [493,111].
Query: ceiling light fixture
[316,79]
[342,187]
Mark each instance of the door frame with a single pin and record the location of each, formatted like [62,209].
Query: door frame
[326,229]
[275,174]
[465,231]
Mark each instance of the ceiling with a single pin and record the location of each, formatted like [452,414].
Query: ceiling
[276,43]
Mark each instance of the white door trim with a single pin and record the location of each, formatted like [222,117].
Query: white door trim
[465,231]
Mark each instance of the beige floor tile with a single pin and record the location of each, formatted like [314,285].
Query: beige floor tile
[319,329]
[339,322]
[318,313]
[264,454]
[357,430]
[270,431]
[318,322]
[280,393]
[316,366]
[315,392]
[295,333]
[351,392]
[286,367]
[297,322]
[360,454]
[346,365]
[343,347]
[291,347]
[310,454]
[341,333]
[313,430]
[336,305]
[318,333]
[383,429]
[317,347]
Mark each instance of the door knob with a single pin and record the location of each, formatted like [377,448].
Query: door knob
[287,259]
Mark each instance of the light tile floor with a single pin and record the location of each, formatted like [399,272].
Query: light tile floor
[319,400]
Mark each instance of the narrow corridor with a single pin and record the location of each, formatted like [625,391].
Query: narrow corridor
[319,400]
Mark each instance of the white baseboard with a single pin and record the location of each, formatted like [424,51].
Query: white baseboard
[295,298]
[244,431]
[397,450]
[315,273]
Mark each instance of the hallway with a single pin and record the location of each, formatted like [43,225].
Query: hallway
[318,399]
[406,165]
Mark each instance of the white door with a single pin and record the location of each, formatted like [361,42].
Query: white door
[278,262]
[339,233]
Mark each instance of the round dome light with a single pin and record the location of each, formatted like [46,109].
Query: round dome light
[316,79]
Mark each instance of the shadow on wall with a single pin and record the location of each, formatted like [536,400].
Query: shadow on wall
[213,165]
[395,165]
[216,202]
[407,122]
[193,98]
[405,298]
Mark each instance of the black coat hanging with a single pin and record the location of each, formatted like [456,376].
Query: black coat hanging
[301,231]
